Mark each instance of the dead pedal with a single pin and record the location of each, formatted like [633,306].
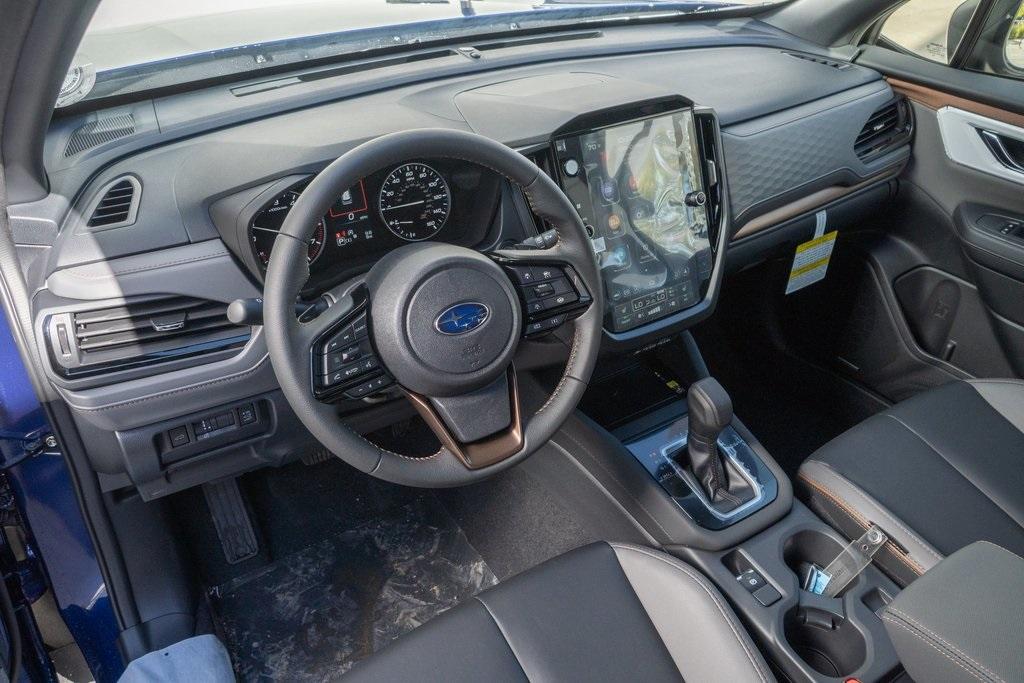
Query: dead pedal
[231,519]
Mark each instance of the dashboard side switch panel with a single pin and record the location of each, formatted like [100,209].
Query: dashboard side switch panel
[247,414]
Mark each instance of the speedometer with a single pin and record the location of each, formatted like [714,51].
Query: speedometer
[415,202]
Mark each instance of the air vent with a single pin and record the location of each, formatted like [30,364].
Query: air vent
[887,129]
[141,334]
[118,204]
[98,132]
[817,59]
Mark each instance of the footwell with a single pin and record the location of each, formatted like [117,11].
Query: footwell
[311,615]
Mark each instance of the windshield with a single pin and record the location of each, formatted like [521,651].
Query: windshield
[134,45]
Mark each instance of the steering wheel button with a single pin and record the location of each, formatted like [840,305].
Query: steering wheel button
[368,387]
[344,373]
[561,286]
[359,390]
[524,276]
[553,322]
[559,300]
[542,290]
[359,328]
[535,306]
[331,363]
[339,340]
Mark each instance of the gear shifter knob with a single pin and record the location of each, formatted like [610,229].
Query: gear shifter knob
[710,411]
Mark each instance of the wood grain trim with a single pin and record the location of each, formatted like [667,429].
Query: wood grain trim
[806,204]
[937,99]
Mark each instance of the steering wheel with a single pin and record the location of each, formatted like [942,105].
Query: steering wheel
[443,321]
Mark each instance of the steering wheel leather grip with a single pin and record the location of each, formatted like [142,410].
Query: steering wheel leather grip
[405,289]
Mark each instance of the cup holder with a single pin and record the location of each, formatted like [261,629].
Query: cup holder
[810,547]
[828,644]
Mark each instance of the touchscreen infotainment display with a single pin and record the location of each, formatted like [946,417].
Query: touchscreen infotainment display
[639,189]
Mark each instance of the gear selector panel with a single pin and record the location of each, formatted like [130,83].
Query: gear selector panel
[663,453]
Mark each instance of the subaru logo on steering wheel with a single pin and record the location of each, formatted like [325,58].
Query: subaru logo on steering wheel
[462,318]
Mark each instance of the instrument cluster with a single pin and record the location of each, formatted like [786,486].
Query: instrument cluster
[413,202]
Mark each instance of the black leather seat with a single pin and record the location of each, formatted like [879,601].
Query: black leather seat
[937,472]
[604,612]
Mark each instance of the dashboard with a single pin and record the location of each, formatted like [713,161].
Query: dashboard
[638,186]
[677,158]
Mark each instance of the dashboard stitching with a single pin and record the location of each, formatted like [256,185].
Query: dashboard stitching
[84,276]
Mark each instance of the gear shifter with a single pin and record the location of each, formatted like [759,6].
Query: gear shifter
[710,412]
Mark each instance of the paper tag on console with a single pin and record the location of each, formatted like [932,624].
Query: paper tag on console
[810,263]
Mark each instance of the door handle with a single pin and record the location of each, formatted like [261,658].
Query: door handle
[1008,151]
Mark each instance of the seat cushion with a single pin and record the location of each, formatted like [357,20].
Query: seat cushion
[937,472]
[602,612]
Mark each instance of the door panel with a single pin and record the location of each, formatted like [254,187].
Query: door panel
[961,295]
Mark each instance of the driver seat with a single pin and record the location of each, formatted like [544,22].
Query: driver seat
[603,612]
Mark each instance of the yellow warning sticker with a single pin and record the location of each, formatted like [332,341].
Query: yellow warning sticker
[810,263]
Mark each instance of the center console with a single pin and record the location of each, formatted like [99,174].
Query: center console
[647,182]
[703,488]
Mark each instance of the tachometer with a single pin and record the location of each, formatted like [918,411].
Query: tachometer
[267,223]
[415,202]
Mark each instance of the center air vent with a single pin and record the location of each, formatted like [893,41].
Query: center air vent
[886,129]
[141,334]
[118,204]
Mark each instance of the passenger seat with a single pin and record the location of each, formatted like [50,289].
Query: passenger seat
[936,472]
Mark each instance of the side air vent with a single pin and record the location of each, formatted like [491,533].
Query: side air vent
[96,133]
[886,129]
[141,334]
[118,204]
[817,59]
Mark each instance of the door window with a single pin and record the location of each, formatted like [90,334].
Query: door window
[931,29]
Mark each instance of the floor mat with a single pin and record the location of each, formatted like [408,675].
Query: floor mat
[311,615]
[292,507]
[515,521]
